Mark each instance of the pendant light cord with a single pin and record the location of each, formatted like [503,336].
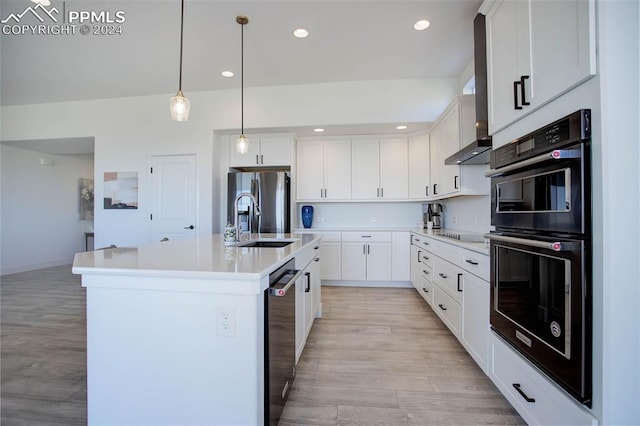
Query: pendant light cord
[241,79]
[181,33]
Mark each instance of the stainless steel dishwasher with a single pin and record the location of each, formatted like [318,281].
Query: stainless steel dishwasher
[279,339]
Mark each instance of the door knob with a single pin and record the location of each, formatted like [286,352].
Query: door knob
[189,227]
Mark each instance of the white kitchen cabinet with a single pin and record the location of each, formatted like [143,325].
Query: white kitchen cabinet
[331,255]
[415,266]
[548,405]
[366,256]
[323,170]
[400,256]
[475,318]
[419,167]
[536,51]
[447,309]
[380,169]
[307,298]
[454,129]
[264,150]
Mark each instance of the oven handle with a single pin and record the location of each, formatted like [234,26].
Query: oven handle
[555,246]
[556,154]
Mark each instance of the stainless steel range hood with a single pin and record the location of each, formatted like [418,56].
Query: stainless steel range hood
[478,151]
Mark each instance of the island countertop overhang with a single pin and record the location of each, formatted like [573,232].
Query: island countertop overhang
[197,262]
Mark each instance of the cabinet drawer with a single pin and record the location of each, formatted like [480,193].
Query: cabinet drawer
[426,289]
[449,277]
[551,406]
[426,258]
[476,263]
[330,236]
[383,237]
[447,309]
[422,242]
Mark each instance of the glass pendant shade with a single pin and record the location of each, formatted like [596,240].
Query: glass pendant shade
[179,106]
[242,144]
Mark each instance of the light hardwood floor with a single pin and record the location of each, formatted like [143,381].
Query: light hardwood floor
[378,356]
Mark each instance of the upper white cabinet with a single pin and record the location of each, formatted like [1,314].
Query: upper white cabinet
[380,169]
[454,129]
[536,51]
[264,150]
[419,167]
[324,170]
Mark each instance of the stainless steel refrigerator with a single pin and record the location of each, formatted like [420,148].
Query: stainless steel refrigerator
[271,190]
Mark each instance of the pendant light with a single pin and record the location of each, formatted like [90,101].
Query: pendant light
[179,104]
[242,143]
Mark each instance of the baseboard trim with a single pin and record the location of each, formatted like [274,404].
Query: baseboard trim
[382,284]
[34,266]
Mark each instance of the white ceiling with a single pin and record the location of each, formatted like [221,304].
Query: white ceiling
[349,40]
[63,146]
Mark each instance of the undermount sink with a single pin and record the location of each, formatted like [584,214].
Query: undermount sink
[273,244]
[267,242]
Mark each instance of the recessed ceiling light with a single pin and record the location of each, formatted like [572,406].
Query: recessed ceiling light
[475,153]
[227,74]
[401,127]
[301,33]
[421,25]
[318,130]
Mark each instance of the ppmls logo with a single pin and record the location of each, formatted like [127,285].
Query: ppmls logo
[40,20]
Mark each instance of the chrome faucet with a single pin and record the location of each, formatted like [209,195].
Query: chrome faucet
[235,211]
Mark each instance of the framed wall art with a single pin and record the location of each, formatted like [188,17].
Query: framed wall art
[120,190]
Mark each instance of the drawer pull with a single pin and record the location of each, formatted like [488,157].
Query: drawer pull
[521,392]
[425,272]
[365,236]
[443,275]
[425,258]
[444,309]
[425,290]
[472,262]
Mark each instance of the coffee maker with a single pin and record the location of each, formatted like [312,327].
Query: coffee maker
[435,215]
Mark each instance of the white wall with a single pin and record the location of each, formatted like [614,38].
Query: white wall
[40,218]
[362,215]
[128,131]
[469,213]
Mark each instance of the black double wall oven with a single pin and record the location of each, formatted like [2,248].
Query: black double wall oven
[541,250]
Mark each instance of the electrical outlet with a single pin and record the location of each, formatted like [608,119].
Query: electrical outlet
[320,219]
[226,321]
[454,220]
[373,219]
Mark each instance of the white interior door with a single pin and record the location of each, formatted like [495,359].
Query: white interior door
[174,197]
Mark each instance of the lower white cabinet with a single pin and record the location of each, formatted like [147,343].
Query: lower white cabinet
[400,247]
[366,256]
[308,304]
[331,255]
[534,396]
[475,318]
[448,309]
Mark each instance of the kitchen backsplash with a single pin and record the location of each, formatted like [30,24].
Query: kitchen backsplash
[469,213]
[328,215]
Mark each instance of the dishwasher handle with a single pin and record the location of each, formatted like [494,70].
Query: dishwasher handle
[280,292]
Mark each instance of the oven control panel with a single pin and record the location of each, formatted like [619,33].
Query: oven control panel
[568,130]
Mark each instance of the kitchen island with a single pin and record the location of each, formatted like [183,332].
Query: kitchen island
[175,329]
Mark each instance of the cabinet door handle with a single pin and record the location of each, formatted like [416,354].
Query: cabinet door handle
[523,91]
[307,286]
[472,262]
[426,191]
[321,192]
[459,282]
[419,256]
[444,308]
[325,193]
[521,392]
[261,159]
[435,187]
[455,182]
[368,249]
[364,249]
[257,162]
[381,192]
[443,275]
[515,94]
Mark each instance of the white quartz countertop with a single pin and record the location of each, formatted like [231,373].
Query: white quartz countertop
[199,257]
[478,247]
